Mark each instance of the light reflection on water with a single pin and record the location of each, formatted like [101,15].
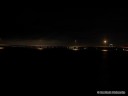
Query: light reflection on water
[105,64]
[104,68]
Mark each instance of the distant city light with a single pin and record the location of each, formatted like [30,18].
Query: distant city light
[1,48]
[84,48]
[125,49]
[75,49]
[110,45]
[40,48]
[104,50]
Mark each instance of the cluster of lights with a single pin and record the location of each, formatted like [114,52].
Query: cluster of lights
[125,49]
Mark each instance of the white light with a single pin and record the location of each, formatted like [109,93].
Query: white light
[75,49]
[105,41]
[110,45]
[104,50]
[40,48]
[125,50]
[1,48]
[84,48]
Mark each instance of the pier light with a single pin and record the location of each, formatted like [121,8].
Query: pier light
[105,41]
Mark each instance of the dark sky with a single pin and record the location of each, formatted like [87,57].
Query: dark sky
[88,23]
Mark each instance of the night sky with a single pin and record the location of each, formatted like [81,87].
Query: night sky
[85,23]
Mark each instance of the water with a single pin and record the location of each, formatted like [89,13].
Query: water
[62,69]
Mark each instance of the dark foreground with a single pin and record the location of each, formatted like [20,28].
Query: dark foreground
[60,70]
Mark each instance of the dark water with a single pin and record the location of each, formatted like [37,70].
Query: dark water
[61,70]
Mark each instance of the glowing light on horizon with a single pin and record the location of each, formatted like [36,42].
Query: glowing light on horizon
[104,50]
[105,41]
[40,48]
[1,48]
[75,49]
